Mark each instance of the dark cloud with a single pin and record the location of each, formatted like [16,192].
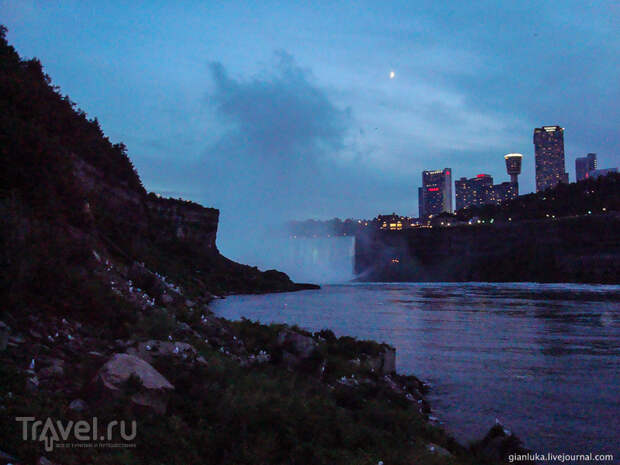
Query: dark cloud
[278,157]
[281,116]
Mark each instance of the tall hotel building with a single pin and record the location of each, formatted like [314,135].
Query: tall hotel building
[585,164]
[549,150]
[435,196]
[473,192]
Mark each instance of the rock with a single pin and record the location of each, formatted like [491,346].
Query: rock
[152,349]
[383,363]
[497,445]
[389,360]
[435,449]
[4,335]
[298,344]
[32,384]
[55,370]
[184,330]
[146,280]
[78,405]
[16,339]
[44,461]
[153,392]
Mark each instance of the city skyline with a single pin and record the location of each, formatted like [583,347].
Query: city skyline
[306,120]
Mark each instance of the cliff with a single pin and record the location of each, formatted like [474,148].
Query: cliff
[580,249]
[71,204]
[180,220]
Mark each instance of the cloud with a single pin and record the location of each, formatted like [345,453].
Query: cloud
[283,115]
[277,156]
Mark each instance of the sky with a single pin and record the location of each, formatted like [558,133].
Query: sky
[273,111]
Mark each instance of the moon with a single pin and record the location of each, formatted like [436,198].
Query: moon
[392,74]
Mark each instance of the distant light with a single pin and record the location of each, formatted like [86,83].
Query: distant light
[392,74]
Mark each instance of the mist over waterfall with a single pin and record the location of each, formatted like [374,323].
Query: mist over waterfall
[320,260]
[315,259]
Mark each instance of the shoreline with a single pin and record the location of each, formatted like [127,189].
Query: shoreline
[342,373]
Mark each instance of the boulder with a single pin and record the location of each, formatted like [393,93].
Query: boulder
[384,363]
[78,405]
[435,449]
[54,370]
[153,391]
[4,335]
[146,280]
[499,443]
[298,344]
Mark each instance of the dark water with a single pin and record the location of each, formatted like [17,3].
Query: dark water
[543,359]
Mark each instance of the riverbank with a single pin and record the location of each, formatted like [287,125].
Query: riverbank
[226,392]
[582,249]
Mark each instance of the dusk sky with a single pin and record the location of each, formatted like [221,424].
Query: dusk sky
[270,111]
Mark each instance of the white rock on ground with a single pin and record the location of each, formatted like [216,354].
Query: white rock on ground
[155,389]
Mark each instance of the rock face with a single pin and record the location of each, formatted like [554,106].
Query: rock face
[153,391]
[564,250]
[185,221]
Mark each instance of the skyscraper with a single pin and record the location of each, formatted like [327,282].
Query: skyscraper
[474,191]
[436,195]
[549,150]
[585,164]
[513,167]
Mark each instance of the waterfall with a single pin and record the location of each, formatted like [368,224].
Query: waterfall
[316,259]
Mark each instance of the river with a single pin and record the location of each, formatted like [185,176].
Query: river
[541,358]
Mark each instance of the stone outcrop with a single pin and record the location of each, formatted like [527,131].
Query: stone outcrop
[185,221]
[112,378]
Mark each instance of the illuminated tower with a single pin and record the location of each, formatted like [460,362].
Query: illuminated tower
[585,164]
[513,166]
[549,150]
[436,192]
